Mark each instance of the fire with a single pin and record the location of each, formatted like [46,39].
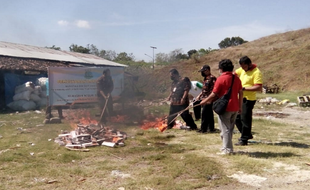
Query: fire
[119,118]
[88,120]
[83,121]
[82,117]
[115,139]
[160,124]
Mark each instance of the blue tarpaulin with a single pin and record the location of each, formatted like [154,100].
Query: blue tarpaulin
[12,80]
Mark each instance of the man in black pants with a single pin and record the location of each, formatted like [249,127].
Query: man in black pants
[251,78]
[207,116]
[105,87]
[179,100]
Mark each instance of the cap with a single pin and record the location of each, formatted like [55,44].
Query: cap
[203,68]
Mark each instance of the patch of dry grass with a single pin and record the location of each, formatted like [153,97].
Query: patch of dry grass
[283,58]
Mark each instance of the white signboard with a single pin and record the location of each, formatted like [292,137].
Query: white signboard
[69,85]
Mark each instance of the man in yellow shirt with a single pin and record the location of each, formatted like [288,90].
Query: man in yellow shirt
[251,79]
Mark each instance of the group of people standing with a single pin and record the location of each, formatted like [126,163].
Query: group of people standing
[244,83]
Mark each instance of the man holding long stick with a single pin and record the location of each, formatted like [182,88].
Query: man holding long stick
[104,88]
[179,100]
[207,117]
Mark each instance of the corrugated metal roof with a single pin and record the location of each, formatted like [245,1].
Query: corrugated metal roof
[27,51]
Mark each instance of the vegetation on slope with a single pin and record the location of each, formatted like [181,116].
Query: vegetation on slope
[283,58]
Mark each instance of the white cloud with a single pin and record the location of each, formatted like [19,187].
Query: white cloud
[78,23]
[63,23]
[82,24]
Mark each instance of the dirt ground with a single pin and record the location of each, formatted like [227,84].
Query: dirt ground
[281,176]
[291,115]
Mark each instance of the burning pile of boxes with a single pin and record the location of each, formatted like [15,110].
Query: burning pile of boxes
[91,135]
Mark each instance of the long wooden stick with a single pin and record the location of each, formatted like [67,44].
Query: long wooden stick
[105,105]
[180,112]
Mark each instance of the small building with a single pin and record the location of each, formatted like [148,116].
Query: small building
[27,63]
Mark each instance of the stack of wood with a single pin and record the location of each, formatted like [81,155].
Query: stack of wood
[304,101]
[273,89]
[91,135]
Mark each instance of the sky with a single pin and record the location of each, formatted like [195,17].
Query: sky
[134,26]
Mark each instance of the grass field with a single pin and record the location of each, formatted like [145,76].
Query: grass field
[174,159]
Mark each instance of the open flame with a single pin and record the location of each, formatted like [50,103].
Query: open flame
[159,124]
[81,116]
[88,120]
[116,139]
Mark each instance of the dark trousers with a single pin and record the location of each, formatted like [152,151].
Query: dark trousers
[185,116]
[244,120]
[48,112]
[197,109]
[207,118]
[207,115]
[108,109]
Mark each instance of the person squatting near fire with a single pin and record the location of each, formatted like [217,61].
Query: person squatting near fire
[207,116]
[105,87]
[179,100]
[226,121]
[251,78]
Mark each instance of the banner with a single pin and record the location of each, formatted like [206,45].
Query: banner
[196,88]
[69,85]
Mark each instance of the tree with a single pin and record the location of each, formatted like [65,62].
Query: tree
[106,54]
[54,47]
[109,55]
[181,56]
[191,52]
[233,41]
[173,56]
[93,49]
[124,57]
[202,51]
[80,49]
[102,53]
[176,55]
[161,58]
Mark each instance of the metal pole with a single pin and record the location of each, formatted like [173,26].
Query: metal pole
[153,56]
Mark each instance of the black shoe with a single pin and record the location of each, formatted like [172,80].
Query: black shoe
[248,138]
[201,131]
[242,143]
[213,131]
[192,129]
[169,127]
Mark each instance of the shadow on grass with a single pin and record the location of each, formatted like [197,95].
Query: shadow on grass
[267,154]
[290,144]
